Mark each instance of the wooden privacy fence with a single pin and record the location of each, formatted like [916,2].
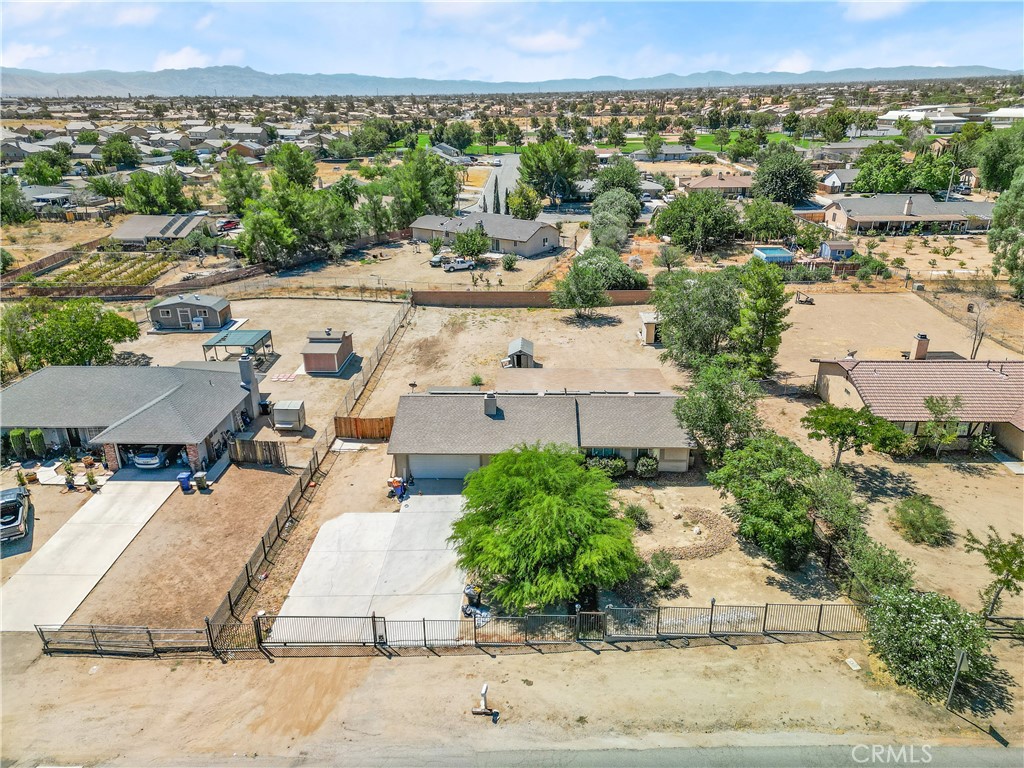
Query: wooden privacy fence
[368,428]
[266,452]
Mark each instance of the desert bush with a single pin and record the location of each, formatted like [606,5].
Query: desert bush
[647,466]
[615,466]
[877,567]
[920,520]
[983,443]
[662,570]
[638,515]
[508,261]
[476,380]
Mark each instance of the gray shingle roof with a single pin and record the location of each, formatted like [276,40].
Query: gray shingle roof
[452,423]
[195,300]
[844,175]
[136,404]
[495,225]
[923,206]
[143,227]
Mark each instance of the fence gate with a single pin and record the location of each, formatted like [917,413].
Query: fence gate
[590,626]
[266,452]
[233,637]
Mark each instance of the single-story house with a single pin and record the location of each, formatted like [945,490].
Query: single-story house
[728,184]
[585,188]
[449,434]
[191,312]
[246,149]
[326,351]
[970,177]
[678,152]
[1004,117]
[507,234]
[246,132]
[992,392]
[941,120]
[839,180]
[842,151]
[193,405]
[450,154]
[140,229]
[836,250]
[896,214]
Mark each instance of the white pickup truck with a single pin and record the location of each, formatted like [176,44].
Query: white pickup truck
[456,264]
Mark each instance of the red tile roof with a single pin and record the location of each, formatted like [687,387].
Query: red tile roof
[991,390]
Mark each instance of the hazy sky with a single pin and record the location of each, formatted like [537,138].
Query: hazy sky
[510,41]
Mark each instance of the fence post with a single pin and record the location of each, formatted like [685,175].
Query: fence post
[764,624]
[821,610]
[258,634]
[657,622]
[248,575]
[711,619]
[209,637]
[474,632]
[424,620]
[231,603]
[42,637]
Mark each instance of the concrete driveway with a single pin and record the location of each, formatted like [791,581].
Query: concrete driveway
[398,566]
[507,175]
[57,578]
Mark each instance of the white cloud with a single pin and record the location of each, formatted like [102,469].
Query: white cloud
[135,16]
[205,21]
[184,58]
[231,56]
[874,10]
[796,61]
[17,54]
[18,14]
[550,42]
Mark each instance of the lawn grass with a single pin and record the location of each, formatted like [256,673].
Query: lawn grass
[479,149]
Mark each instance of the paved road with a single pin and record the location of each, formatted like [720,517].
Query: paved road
[507,175]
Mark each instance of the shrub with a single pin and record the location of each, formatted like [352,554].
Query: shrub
[983,443]
[918,634]
[508,261]
[38,442]
[638,515]
[476,380]
[832,500]
[18,445]
[647,466]
[877,567]
[921,521]
[21,478]
[436,244]
[663,571]
[614,466]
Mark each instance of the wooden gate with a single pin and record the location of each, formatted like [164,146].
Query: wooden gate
[265,452]
[364,428]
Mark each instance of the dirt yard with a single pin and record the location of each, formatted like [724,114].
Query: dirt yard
[37,238]
[446,347]
[1004,315]
[179,567]
[972,251]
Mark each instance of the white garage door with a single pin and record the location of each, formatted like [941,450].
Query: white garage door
[437,466]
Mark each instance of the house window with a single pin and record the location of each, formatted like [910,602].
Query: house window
[165,313]
[642,452]
[604,453]
[910,427]
[963,429]
[833,217]
[202,313]
[495,245]
[545,241]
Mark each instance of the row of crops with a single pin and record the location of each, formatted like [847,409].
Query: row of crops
[115,269]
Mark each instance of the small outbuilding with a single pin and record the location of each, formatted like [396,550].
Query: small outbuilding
[326,351]
[241,342]
[191,312]
[650,328]
[520,354]
[836,250]
[290,415]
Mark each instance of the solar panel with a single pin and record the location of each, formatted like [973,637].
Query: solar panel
[170,223]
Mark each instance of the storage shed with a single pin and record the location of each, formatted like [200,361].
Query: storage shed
[191,312]
[326,351]
[650,328]
[837,250]
[520,354]
[290,415]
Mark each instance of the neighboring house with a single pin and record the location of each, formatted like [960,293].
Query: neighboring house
[677,152]
[20,150]
[450,154]
[843,151]
[836,250]
[245,132]
[450,434]
[1004,117]
[140,229]
[201,133]
[246,149]
[941,120]
[507,234]
[585,188]
[191,312]
[447,149]
[170,141]
[838,181]
[992,393]
[969,177]
[120,408]
[728,184]
[900,213]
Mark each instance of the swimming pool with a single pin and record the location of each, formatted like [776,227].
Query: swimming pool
[774,254]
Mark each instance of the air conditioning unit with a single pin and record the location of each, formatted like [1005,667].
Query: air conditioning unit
[198,324]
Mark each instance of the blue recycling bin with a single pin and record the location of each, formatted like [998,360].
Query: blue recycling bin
[185,481]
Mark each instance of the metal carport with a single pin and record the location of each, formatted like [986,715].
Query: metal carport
[253,341]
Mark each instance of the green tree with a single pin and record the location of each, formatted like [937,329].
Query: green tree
[669,257]
[374,216]
[875,566]
[620,173]
[1000,156]
[931,173]
[552,168]
[720,409]
[17,322]
[523,202]
[782,176]
[616,133]
[110,187]
[882,169]
[267,238]
[941,429]
[6,260]
[758,334]
[918,634]
[487,135]
[87,137]
[45,168]
[699,222]
[458,134]
[539,529]
[616,274]
[765,220]
[514,136]
[471,243]
[120,151]
[834,123]
[161,193]
[790,123]
[294,164]
[846,429]
[1005,561]
[581,290]
[1006,236]
[653,144]
[79,332]
[722,137]
[422,183]
[185,157]
[239,182]
[496,205]
[14,208]
[698,312]
[546,132]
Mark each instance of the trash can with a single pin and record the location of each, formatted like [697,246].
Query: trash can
[185,481]
[264,407]
[200,480]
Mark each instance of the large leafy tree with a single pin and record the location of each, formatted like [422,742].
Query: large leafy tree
[107,186]
[161,193]
[846,429]
[698,311]
[297,166]
[1006,237]
[79,332]
[14,208]
[617,275]
[539,528]
[239,182]
[619,202]
[458,134]
[120,151]
[552,168]
[45,168]
[882,169]
[266,238]
[1000,156]
[765,220]
[471,243]
[763,311]
[653,144]
[17,322]
[523,202]
[582,290]
[720,409]
[783,176]
[514,136]
[620,173]
[422,183]
[699,222]
[931,173]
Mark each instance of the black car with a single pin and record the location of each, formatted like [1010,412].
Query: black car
[14,510]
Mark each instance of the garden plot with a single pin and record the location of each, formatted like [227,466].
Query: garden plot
[114,269]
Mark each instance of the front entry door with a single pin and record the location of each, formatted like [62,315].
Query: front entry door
[74,438]
[184,318]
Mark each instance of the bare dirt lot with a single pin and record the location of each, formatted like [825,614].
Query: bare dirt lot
[448,346]
[179,567]
[1004,315]
[36,239]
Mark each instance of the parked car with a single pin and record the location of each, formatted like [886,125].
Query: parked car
[496,163]
[226,225]
[456,264]
[14,512]
[156,456]
[438,260]
[645,197]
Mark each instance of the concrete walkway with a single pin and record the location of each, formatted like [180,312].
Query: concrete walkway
[57,578]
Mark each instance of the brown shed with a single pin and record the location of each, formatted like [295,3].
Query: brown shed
[326,351]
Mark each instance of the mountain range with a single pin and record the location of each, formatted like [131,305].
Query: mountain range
[245,81]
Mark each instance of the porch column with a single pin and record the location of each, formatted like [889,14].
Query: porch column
[192,451]
[111,457]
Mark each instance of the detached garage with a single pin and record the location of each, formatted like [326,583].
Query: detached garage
[440,466]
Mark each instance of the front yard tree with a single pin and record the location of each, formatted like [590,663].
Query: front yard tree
[620,173]
[918,634]
[296,166]
[120,151]
[458,134]
[763,312]
[79,332]
[1005,559]
[14,208]
[471,243]
[239,182]
[700,222]
[581,290]
[1006,237]
[267,238]
[765,220]
[882,169]
[846,429]
[783,176]
[941,429]
[552,168]
[523,202]
[45,168]
[110,187]
[653,144]
[670,257]
[720,409]
[539,529]
[163,193]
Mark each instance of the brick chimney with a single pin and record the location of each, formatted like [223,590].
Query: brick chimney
[920,347]
[908,207]
[250,383]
